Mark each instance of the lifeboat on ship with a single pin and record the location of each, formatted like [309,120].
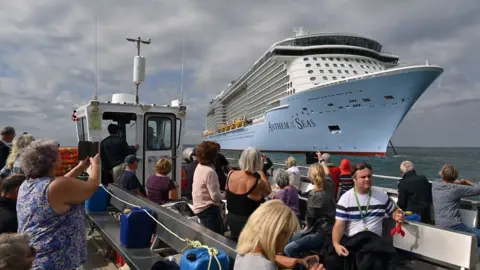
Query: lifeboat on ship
[239,123]
[223,128]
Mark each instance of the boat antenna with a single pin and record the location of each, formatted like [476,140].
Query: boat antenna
[95,79]
[181,80]
[138,65]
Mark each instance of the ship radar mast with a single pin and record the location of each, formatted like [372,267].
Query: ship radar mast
[300,32]
[138,65]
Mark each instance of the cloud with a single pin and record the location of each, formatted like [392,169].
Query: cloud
[47,52]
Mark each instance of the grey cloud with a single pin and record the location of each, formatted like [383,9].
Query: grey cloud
[50,45]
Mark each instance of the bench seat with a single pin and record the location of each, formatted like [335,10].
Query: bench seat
[109,227]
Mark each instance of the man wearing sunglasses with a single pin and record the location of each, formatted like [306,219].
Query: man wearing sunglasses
[359,219]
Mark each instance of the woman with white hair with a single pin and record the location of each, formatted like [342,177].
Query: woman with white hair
[246,189]
[15,251]
[50,209]
[13,160]
[287,194]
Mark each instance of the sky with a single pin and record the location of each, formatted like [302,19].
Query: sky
[47,55]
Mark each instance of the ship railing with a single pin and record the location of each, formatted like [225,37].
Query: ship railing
[426,242]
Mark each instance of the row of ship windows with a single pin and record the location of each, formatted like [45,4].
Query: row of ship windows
[347,107]
[344,59]
[364,100]
[338,71]
[352,100]
[342,65]
[325,78]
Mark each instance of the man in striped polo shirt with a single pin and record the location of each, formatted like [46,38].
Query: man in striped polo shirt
[362,209]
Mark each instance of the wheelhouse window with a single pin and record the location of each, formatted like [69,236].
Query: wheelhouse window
[81,129]
[159,131]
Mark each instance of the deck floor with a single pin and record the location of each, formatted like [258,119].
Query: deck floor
[96,260]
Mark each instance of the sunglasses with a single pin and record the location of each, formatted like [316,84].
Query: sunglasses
[361,166]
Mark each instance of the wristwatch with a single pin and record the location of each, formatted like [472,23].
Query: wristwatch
[321,160]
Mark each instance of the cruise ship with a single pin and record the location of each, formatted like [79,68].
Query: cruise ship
[335,93]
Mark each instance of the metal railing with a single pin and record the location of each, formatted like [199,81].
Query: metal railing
[466,203]
[306,168]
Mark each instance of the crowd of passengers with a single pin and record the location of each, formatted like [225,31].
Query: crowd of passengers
[42,217]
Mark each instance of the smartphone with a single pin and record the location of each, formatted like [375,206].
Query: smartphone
[311,157]
[87,149]
[312,262]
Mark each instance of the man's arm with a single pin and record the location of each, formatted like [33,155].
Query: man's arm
[394,211]
[337,232]
[341,217]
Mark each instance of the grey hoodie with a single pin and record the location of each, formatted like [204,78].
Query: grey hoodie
[446,202]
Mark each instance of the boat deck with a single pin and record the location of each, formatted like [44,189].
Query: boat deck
[96,247]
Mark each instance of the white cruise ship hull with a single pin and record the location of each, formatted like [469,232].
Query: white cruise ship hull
[353,116]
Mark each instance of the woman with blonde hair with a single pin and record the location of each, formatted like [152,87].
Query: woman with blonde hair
[265,235]
[292,168]
[320,214]
[13,160]
[160,187]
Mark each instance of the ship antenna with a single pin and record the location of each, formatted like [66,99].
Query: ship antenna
[181,80]
[138,65]
[95,79]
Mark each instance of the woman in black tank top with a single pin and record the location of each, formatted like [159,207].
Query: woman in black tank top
[241,204]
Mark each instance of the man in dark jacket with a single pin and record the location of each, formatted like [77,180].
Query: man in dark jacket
[113,151]
[6,137]
[189,169]
[414,192]
[222,166]
[8,203]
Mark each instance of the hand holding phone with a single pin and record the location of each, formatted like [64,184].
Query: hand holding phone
[311,262]
[87,150]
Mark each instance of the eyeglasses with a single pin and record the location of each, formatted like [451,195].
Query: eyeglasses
[361,166]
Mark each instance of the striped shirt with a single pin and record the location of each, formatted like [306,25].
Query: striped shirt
[346,183]
[347,209]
